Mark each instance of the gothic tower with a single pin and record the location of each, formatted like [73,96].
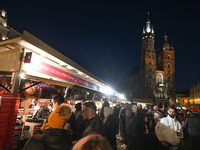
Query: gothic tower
[148,60]
[166,60]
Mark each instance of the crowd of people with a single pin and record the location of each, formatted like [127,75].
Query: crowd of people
[139,128]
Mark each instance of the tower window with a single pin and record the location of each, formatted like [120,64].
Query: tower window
[168,57]
[149,69]
[150,77]
[168,66]
[159,78]
[150,63]
[150,56]
[159,58]
[169,72]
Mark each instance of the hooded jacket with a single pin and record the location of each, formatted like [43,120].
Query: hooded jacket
[51,139]
[167,130]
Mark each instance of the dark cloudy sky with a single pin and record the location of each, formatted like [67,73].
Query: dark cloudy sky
[104,36]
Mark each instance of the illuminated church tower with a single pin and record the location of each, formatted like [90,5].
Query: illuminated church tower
[148,60]
[153,80]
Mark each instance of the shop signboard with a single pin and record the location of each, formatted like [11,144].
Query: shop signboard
[8,114]
[53,71]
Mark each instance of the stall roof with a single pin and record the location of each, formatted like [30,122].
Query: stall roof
[34,44]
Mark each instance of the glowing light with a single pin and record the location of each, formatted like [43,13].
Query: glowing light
[121,96]
[22,75]
[69,67]
[80,73]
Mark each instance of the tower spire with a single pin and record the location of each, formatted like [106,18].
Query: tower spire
[165,41]
[148,26]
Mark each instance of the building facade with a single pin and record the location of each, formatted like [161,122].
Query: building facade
[183,99]
[153,78]
[195,94]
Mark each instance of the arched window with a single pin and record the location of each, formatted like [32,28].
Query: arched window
[159,78]
[149,56]
[150,63]
[169,72]
[149,69]
[168,65]
[150,77]
[168,57]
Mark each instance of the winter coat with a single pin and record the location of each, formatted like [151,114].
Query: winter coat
[94,126]
[80,125]
[193,124]
[110,126]
[130,126]
[167,130]
[71,121]
[51,139]
[43,113]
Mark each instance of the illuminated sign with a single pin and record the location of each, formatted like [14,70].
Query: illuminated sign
[53,71]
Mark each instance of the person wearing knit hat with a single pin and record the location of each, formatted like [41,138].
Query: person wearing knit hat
[58,117]
[54,136]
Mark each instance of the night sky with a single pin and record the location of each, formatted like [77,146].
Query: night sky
[104,37]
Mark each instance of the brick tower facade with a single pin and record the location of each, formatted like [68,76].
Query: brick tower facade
[154,77]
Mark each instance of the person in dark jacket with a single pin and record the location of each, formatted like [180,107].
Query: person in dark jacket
[45,111]
[93,124]
[130,129]
[54,137]
[79,124]
[193,125]
[105,104]
[110,126]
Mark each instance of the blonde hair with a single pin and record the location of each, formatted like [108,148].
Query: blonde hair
[64,110]
[92,142]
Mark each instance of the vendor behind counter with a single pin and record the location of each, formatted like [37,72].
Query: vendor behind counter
[45,111]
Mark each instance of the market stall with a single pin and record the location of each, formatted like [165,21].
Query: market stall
[37,72]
